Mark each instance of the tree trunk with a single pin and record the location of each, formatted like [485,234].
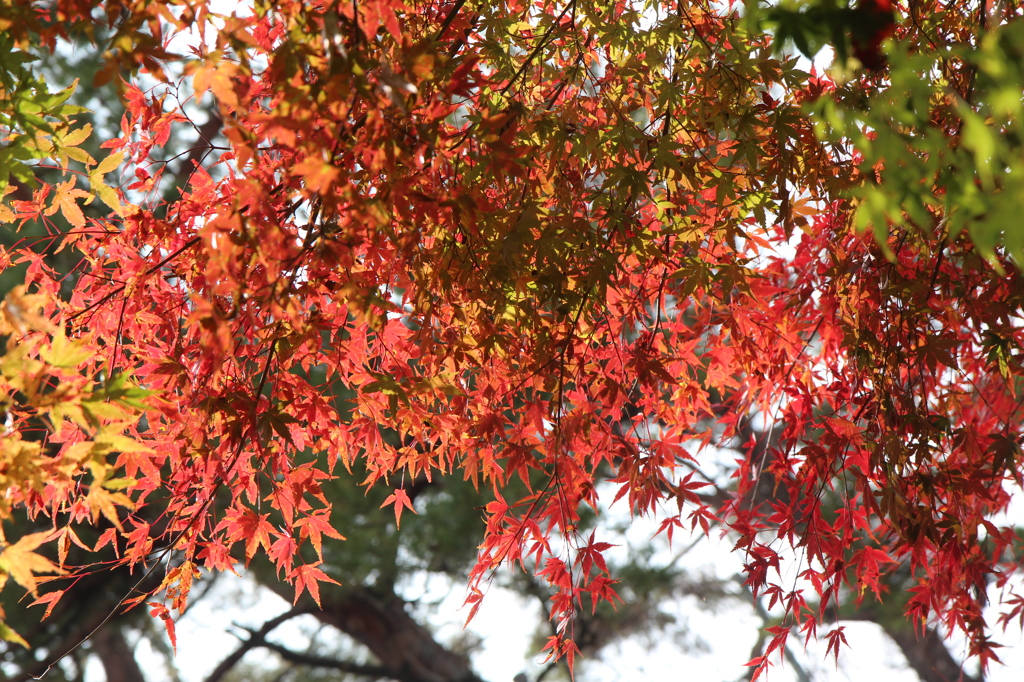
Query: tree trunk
[115,655]
[406,649]
[928,655]
[925,653]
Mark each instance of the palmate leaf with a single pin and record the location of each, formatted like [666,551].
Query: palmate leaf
[9,635]
[37,124]
[308,578]
[21,562]
[552,247]
[400,500]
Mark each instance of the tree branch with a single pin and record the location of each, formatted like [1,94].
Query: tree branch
[374,671]
[449,19]
[766,618]
[256,638]
[407,651]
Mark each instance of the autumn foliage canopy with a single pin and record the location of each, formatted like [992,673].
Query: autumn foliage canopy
[568,250]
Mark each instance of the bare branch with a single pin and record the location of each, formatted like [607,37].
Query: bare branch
[372,671]
[256,639]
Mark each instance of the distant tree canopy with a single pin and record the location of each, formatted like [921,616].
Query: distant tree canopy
[548,249]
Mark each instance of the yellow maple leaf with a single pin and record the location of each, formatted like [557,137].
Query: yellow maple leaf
[22,563]
[65,200]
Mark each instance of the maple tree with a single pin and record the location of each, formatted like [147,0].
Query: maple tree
[548,244]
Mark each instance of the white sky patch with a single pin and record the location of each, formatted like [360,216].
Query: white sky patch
[185,42]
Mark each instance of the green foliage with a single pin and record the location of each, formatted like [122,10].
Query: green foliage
[809,26]
[34,123]
[915,172]
[938,142]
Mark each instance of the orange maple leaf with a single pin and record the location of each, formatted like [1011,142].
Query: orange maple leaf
[400,499]
[308,577]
